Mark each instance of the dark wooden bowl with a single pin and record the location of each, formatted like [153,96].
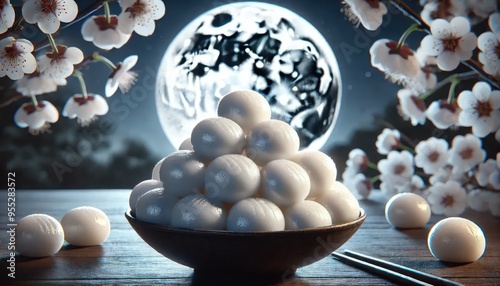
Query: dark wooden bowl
[245,253]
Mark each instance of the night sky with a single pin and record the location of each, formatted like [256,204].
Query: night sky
[365,92]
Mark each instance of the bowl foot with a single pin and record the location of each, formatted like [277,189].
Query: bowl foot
[218,277]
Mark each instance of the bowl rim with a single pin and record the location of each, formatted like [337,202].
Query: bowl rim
[132,219]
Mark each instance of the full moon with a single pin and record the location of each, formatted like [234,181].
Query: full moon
[250,46]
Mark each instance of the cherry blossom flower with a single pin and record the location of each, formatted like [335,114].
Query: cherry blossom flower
[349,173]
[37,83]
[16,58]
[451,42]
[398,63]
[494,179]
[489,44]
[49,14]
[36,118]
[465,153]
[480,109]
[478,10]
[431,154]
[397,168]
[494,22]
[59,64]
[359,185]
[426,79]
[139,16]
[442,114]
[442,9]
[388,189]
[7,15]
[477,200]
[411,107]
[414,185]
[494,203]
[122,77]
[484,171]
[85,109]
[387,141]
[447,198]
[368,13]
[357,159]
[446,174]
[102,34]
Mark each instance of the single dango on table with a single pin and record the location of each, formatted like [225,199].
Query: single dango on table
[243,171]
[407,210]
[457,240]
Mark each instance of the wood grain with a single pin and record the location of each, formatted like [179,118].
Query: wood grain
[125,259]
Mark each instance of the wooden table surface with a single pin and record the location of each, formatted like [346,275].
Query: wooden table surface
[125,259]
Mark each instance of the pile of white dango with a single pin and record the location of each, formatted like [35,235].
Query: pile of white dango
[40,235]
[243,171]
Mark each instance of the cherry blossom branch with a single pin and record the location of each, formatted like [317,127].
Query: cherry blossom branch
[403,7]
[387,124]
[11,100]
[471,64]
[451,78]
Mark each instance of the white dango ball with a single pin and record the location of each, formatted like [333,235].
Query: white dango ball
[255,214]
[39,235]
[321,169]
[245,107]
[140,189]
[232,177]
[306,214]
[198,211]
[85,226]
[186,145]
[155,174]
[457,240]
[340,203]
[284,182]
[182,173]
[272,140]
[214,137]
[407,210]
[156,206]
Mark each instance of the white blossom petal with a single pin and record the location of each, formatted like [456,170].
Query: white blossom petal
[460,26]
[481,91]
[7,17]
[74,55]
[67,10]
[440,28]
[494,22]
[447,61]
[487,41]
[49,24]
[145,29]
[431,46]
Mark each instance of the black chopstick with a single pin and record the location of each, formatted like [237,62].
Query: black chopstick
[399,269]
[379,271]
[434,280]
